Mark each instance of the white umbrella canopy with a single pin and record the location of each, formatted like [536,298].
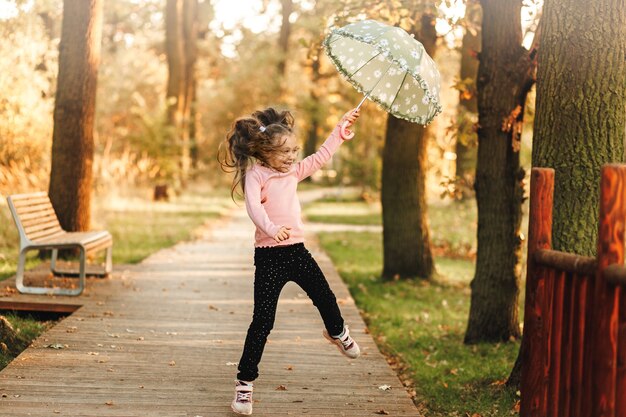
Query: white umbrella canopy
[389,66]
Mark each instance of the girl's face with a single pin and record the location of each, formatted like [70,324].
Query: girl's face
[286,155]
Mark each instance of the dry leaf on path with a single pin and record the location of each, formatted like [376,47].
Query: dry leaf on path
[382,412]
[281,388]
[385,387]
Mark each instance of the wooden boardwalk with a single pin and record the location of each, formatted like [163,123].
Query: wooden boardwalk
[161,339]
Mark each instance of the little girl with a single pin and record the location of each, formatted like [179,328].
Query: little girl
[262,151]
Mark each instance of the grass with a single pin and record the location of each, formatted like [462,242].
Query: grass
[452,225]
[422,325]
[28,328]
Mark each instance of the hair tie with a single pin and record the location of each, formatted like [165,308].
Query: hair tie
[262,128]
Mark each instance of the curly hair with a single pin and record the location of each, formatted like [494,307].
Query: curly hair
[252,139]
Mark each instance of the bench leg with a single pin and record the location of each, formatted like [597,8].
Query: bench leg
[108,263]
[19,275]
[53,260]
[25,289]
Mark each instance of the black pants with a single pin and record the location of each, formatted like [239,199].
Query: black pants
[275,266]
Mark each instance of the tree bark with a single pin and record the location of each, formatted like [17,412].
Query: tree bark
[406,240]
[468,107]
[74,110]
[580,118]
[503,80]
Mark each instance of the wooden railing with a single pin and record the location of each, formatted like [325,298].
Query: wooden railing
[574,347]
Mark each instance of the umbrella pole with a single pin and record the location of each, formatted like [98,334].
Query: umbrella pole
[362,101]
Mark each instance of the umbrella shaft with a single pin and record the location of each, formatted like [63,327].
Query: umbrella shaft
[362,101]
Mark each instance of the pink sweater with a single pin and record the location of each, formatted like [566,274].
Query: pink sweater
[271,199]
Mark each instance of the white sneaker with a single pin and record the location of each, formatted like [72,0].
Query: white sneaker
[345,343]
[242,404]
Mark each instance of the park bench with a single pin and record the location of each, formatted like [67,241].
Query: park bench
[39,228]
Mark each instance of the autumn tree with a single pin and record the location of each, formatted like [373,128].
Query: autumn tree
[72,138]
[406,240]
[505,75]
[580,116]
[181,33]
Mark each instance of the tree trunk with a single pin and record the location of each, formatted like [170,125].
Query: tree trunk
[310,145]
[406,241]
[190,39]
[72,137]
[176,83]
[580,117]
[468,107]
[502,85]
[283,39]
[175,50]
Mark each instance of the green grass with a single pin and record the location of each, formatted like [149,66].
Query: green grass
[28,329]
[452,224]
[422,324]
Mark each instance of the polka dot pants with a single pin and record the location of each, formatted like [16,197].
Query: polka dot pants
[275,266]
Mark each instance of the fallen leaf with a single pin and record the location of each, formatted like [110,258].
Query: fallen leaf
[109,403]
[172,363]
[384,387]
[56,346]
[382,412]
[516,406]
[93,353]
[281,388]
[232,363]
[289,367]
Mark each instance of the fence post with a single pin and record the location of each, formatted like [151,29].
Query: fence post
[606,296]
[537,311]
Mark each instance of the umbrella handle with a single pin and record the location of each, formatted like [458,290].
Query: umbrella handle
[346,133]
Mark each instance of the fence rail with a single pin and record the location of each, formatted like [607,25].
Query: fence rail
[574,346]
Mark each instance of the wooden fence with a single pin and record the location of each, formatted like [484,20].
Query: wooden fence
[574,348]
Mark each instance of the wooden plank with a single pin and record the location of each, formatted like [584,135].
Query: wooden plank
[556,343]
[565,387]
[534,381]
[606,297]
[38,306]
[581,302]
[28,196]
[45,224]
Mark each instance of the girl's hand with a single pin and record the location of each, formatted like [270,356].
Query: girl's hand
[283,234]
[346,121]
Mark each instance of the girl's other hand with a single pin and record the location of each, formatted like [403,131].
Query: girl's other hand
[283,234]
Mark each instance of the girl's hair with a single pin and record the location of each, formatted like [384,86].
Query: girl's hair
[253,139]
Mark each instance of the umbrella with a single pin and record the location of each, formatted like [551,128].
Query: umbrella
[389,66]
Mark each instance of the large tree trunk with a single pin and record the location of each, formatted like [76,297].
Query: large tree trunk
[580,117]
[72,138]
[406,241]
[468,105]
[503,82]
